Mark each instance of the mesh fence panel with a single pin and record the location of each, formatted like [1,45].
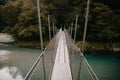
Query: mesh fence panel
[80,69]
[44,63]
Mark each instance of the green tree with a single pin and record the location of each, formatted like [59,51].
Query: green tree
[100,22]
[10,12]
[28,15]
[30,33]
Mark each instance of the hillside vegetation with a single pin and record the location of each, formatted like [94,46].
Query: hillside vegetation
[19,17]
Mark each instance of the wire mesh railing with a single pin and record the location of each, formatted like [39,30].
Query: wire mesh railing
[79,65]
[42,68]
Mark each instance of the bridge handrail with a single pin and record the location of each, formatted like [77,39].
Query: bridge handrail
[34,65]
[89,68]
[87,65]
[38,59]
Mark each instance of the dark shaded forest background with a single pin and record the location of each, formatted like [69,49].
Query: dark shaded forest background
[19,18]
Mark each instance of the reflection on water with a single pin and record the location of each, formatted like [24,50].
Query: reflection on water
[10,73]
[15,62]
[3,52]
[106,66]
[3,56]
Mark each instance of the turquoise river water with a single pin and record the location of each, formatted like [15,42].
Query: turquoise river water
[15,63]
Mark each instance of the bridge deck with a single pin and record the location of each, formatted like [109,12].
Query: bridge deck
[61,68]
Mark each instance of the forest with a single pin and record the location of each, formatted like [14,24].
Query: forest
[20,18]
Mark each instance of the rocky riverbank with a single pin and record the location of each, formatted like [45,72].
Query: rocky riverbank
[95,46]
[6,38]
[89,46]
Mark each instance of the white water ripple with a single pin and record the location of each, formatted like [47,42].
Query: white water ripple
[10,73]
[4,52]
[4,56]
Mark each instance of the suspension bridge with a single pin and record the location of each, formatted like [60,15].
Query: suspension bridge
[57,61]
[59,56]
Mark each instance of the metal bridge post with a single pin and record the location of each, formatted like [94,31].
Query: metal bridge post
[53,29]
[86,22]
[39,20]
[49,27]
[71,29]
[44,67]
[80,67]
[75,27]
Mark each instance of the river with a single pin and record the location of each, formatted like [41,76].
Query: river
[15,63]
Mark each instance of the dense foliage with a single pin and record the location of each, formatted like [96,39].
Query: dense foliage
[19,17]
